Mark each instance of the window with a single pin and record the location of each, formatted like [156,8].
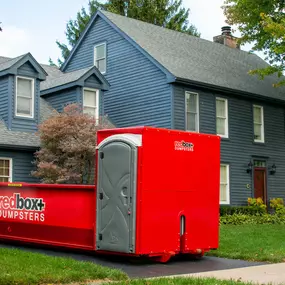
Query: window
[222,117]
[24,97]
[100,57]
[258,122]
[259,163]
[5,169]
[192,112]
[224,184]
[91,102]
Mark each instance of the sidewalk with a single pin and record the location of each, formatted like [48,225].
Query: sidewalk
[263,274]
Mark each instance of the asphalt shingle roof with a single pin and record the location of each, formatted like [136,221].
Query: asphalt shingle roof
[58,78]
[6,62]
[24,139]
[197,59]
[55,76]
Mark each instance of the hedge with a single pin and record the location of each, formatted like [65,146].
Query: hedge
[245,210]
[242,219]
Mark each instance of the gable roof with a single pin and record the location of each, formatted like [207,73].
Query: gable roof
[191,59]
[55,77]
[9,65]
[59,80]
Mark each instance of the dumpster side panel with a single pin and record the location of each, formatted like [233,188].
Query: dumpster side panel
[62,215]
[180,174]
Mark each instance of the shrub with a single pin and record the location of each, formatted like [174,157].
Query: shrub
[246,210]
[242,219]
[277,204]
[256,202]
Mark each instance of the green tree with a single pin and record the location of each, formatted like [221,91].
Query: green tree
[261,23]
[166,13]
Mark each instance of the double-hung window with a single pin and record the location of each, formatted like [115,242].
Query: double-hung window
[5,169]
[24,97]
[192,112]
[91,102]
[100,57]
[222,128]
[224,184]
[258,123]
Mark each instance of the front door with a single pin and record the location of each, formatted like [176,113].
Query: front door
[260,183]
[116,197]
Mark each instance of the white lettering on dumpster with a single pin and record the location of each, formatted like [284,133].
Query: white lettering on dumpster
[184,146]
[20,208]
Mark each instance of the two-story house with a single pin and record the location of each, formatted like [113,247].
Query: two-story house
[157,77]
[29,94]
[167,79]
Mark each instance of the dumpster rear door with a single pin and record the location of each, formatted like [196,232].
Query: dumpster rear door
[116,196]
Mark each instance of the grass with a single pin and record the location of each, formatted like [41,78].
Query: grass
[21,267]
[181,281]
[252,242]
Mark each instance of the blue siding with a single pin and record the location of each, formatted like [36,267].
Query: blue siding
[22,123]
[22,165]
[27,70]
[138,93]
[60,99]
[4,99]
[239,149]
[92,81]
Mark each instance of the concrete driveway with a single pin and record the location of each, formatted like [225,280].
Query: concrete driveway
[146,269]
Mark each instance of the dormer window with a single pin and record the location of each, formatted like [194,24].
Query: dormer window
[100,57]
[25,94]
[91,102]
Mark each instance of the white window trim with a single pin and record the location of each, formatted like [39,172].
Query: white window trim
[105,49]
[11,167]
[97,102]
[262,121]
[33,97]
[227,202]
[198,112]
[226,135]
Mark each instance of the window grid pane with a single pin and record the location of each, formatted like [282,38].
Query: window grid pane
[24,87]
[224,183]
[221,117]
[4,170]
[258,123]
[100,52]
[223,192]
[257,115]
[24,97]
[89,98]
[192,112]
[90,103]
[24,105]
[221,108]
[91,111]
[221,126]
[100,57]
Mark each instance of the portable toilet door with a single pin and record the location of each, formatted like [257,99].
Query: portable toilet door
[116,193]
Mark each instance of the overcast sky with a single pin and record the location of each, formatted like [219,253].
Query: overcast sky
[34,26]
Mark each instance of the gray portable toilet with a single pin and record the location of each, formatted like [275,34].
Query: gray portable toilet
[116,193]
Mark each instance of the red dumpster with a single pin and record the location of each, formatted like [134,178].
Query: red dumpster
[157,195]
[60,215]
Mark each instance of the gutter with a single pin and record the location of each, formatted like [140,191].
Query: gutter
[19,147]
[228,90]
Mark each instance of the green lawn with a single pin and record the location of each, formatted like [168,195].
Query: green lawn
[21,267]
[181,281]
[252,242]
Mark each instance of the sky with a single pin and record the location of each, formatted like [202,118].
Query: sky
[35,25]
